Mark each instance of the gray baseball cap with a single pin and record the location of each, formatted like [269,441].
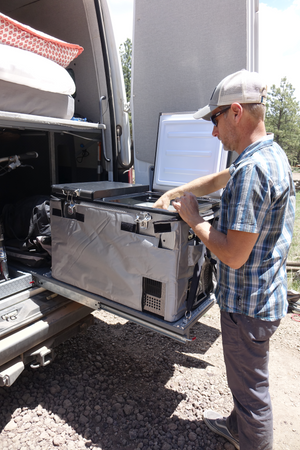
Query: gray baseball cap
[240,87]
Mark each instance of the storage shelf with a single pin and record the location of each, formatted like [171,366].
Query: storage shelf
[28,121]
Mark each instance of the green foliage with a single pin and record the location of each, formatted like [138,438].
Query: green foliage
[125,50]
[283,119]
[293,282]
[294,253]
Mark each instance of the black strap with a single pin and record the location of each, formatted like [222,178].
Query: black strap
[193,288]
[207,272]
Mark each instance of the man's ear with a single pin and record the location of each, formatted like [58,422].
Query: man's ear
[237,111]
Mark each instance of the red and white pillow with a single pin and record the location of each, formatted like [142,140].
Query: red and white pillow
[18,35]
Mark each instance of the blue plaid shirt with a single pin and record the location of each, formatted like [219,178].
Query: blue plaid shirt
[259,198]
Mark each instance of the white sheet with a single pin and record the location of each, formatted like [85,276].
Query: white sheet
[32,70]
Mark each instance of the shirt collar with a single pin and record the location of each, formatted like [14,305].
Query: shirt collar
[252,148]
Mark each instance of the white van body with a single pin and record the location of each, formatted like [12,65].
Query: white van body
[181,50]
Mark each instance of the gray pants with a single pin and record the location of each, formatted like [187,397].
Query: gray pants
[246,354]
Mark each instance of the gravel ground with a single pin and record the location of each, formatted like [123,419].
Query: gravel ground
[121,386]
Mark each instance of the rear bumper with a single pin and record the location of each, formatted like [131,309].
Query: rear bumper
[34,343]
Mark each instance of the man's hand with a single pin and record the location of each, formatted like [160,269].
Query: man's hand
[162,203]
[187,207]
[201,186]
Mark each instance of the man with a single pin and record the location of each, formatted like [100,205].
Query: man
[252,242]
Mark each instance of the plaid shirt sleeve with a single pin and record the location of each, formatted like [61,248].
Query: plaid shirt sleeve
[251,197]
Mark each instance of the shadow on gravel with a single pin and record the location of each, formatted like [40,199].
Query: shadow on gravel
[109,385]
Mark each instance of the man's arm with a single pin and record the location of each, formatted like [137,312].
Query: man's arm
[232,249]
[199,187]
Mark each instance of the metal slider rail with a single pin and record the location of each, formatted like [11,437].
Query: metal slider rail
[179,330]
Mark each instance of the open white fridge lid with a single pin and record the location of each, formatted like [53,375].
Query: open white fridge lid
[185,150]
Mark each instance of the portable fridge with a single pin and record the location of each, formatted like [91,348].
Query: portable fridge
[110,241]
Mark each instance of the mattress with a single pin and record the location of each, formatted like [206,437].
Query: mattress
[32,84]
[26,100]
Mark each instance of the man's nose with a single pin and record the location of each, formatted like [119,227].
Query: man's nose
[215,131]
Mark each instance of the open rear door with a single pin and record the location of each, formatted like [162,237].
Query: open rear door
[181,50]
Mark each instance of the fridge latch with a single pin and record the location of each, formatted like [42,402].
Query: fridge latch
[142,219]
[70,205]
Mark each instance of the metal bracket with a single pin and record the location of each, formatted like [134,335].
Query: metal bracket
[10,371]
[142,219]
[103,136]
[70,204]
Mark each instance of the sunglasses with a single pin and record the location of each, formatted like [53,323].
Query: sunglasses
[213,118]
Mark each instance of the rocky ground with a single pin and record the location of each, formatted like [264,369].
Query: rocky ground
[123,387]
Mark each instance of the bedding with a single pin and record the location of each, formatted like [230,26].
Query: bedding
[16,34]
[27,100]
[29,69]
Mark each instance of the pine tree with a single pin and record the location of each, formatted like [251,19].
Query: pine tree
[125,50]
[283,119]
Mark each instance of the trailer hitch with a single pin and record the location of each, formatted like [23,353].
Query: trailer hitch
[43,357]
